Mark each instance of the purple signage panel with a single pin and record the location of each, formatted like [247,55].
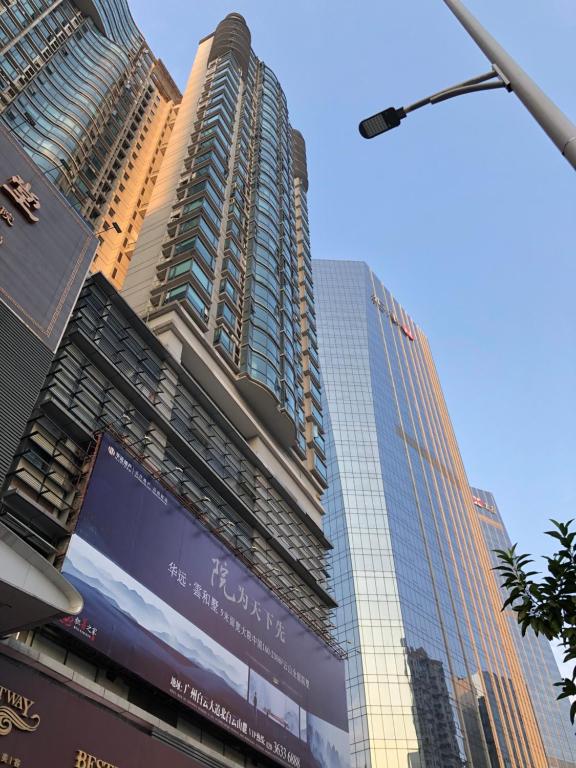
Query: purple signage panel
[166,599]
[47,725]
[45,247]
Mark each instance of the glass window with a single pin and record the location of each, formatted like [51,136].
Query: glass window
[222,337]
[175,293]
[268,195]
[264,295]
[188,293]
[184,245]
[225,312]
[231,246]
[231,267]
[218,110]
[263,343]
[202,186]
[290,402]
[266,239]
[194,299]
[267,220]
[317,415]
[179,269]
[190,267]
[233,228]
[214,159]
[200,204]
[213,129]
[207,172]
[265,257]
[220,126]
[195,244]
[265,275]
[264,371]
[202,277]
[265,319]
[301,443]
[320,467]
[204,253]
[315,391]
[227,288]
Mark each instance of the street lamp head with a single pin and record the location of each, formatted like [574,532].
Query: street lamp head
[107,227]
[381,122]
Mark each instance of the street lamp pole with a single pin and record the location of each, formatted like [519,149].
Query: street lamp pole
[551,119]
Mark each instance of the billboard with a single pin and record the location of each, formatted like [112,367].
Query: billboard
[167,600]
[45,723]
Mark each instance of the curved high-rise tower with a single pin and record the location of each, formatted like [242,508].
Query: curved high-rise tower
[222,268]
[194,406]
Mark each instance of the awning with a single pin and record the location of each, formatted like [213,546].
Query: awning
[32,591]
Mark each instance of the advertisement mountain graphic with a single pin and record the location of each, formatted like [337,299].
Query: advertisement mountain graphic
[86,565]
[328,744]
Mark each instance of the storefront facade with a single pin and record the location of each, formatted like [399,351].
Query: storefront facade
[45,721]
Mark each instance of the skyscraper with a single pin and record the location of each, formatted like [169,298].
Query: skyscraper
[92,106]
[222,268]
[535,654]
[172,468]
[433,675]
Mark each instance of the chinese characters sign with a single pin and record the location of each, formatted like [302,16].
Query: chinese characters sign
[404,327]
[218,580]
[167,600]
[45,247]
[483,504]
[20,192]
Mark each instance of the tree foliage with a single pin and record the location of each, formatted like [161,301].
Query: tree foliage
[547,604]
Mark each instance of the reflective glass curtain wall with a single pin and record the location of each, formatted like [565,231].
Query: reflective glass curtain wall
[433,679]
[92,106]
[535,654]
[69,80]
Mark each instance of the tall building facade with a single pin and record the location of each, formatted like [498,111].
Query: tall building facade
[433,676]
[222,268]
[192,400]
[535,654]
[93,107]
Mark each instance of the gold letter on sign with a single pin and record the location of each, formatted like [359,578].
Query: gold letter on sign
[21,193]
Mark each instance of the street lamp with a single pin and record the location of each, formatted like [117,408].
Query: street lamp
[107,227]
[391,117]
[505,73]
[381,122]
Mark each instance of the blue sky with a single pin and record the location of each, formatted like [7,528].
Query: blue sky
[466,212]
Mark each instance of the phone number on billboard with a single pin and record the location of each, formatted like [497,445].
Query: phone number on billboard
[281,751]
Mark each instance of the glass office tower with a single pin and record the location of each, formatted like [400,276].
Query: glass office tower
[536,657]
[92,106]
[434,680]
